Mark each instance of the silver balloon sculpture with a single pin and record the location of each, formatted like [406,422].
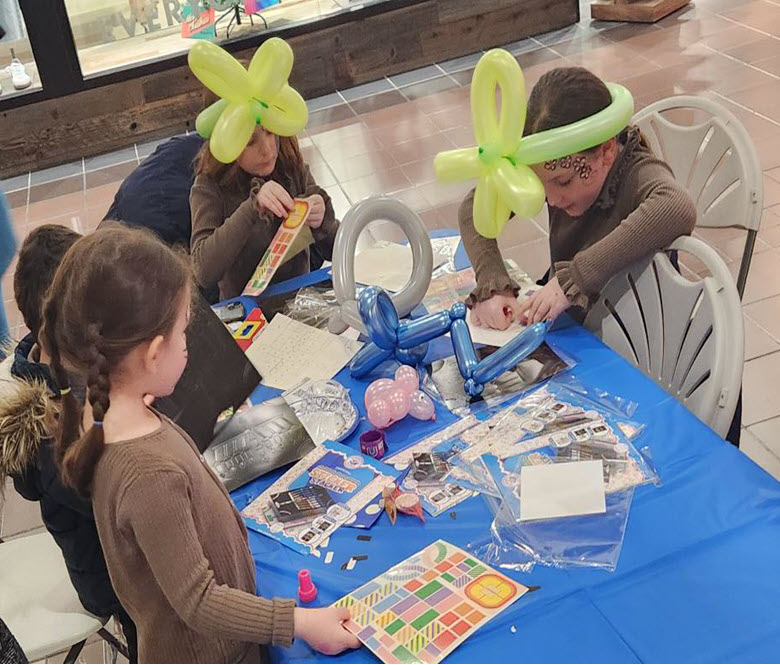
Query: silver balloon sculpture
[362,214]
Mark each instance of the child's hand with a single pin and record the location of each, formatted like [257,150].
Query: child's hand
[275,198]
[549,302]
[321,629]
[316,211]
[496,312]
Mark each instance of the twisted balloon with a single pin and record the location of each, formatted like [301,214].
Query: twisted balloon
[501,160]
[260,94]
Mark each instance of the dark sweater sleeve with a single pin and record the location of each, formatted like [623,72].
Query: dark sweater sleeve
[216,242]
[157,508]
[662,212]
[325,235]
[489,269]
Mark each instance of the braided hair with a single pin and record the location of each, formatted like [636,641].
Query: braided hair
[114,290]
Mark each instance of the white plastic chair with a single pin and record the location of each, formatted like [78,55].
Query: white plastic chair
[39,604]
[715,161]
[687,336]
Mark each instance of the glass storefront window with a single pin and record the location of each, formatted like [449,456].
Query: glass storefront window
[18,73]
[116,34]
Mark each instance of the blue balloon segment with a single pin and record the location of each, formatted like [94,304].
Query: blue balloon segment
[424,329]
[368,359]
[412,356]
[464,348]
[512,353]
[379,316]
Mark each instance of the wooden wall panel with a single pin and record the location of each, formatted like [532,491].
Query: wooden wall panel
[116,115]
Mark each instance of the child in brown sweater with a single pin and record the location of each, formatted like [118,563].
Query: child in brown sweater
[608,207]
[175,546]
[237,208]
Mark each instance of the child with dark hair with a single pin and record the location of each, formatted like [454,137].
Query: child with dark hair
[608,206]
[175,546]
[28,398]
[237,208]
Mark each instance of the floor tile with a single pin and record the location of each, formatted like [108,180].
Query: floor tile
[757,341]
[330,118]
[755,449]
[420,172]
[452,118]
[18,199]
[532,257]
[770,65]
[322,173]
[443,100]
[349,167]
[424,147]
[413,198]
[110,159]
[427,88]
[380,182]
[56,188]
[338,198]
[459,64]
[764,99]
[732,37]
[767,314]
[348,144]
[768,432]
[376,102]
[43,210]
[366,90]
[462,137]
[760,380]
[108,174]
[324,102]
[440,194]
[416,76]
[146,149]
[17,182]
[58,172]
[411,127]
[758,49]
[764,278]
[522,46]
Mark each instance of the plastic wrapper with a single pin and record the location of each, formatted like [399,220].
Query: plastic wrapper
[591,541]
[312,305]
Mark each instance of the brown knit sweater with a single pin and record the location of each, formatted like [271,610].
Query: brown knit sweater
[178,557]
[640,210]
[230,235]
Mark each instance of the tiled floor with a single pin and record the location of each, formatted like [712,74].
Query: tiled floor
[381,138]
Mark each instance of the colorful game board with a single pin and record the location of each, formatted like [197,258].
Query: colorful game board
[280,245]
[427,605]
[351,480]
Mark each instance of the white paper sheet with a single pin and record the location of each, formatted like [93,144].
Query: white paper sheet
[388,265]
[289,351]
[562,490]
[481,335]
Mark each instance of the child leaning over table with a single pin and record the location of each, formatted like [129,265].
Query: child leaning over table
[28,398]
[237,208]
[608,207]
[175,546]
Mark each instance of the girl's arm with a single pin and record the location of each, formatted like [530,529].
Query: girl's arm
[491,274]
[663,212]
[325,234]
[216,242]
[156,507]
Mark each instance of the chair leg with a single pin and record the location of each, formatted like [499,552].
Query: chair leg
[115,643]
[74,651]
[747,256]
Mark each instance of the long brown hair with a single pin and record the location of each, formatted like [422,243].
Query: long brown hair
[115,289]
[289,163]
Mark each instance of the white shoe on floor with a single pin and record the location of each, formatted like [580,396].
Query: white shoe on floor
[19,76]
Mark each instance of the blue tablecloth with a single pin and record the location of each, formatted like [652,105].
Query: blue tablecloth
[698,578]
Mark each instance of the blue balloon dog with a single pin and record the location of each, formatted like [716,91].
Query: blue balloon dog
[407,341]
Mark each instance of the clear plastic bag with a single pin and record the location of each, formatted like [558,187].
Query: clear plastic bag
[592,541]
[312,305]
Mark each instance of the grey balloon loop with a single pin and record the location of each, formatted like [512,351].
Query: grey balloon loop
[359,216]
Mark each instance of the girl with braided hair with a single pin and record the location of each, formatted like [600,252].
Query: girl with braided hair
[175,546]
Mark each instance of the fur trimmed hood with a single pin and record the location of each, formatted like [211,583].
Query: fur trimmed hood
[26,417]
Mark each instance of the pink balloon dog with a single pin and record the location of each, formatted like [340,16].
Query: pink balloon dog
[390,400]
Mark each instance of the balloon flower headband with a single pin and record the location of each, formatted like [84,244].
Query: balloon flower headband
[502,157]
[260,95]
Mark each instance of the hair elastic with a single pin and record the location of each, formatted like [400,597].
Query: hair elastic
[64,391]
[99,423]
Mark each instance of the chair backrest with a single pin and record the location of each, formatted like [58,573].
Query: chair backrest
[687,336]
[715,160]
